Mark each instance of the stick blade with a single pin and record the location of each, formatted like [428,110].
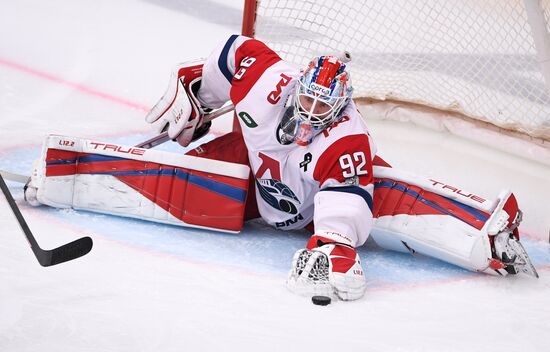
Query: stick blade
[69,251]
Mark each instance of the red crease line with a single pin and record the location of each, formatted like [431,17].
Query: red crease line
[76,86]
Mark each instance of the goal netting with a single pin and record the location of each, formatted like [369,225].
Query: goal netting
[485,59]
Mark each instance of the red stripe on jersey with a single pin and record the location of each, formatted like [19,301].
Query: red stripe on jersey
[265,58]
[346,157]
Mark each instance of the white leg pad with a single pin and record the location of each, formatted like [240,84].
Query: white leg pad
[424,216]
[141,183]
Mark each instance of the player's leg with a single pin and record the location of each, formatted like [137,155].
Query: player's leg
[433,218]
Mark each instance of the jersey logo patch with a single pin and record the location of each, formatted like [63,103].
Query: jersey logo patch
[274,96]
[247,119]
[278,195]
[273,191]
[290,221]
[307,160]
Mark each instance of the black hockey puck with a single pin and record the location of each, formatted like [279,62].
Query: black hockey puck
[321,300]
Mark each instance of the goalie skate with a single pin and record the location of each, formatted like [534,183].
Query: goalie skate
[511,253]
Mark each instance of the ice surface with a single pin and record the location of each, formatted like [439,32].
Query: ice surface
[91,69]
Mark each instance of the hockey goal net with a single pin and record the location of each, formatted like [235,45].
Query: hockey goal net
[488,60]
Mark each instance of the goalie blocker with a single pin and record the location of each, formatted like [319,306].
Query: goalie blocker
[140,183]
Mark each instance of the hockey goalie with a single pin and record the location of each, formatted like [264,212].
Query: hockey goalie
[304,158]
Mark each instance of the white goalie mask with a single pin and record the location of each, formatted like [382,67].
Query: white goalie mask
[323,90]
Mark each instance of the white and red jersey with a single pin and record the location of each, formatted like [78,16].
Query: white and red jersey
[329,181]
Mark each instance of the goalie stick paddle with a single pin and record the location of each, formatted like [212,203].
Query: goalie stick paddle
[10,176]
[46,257]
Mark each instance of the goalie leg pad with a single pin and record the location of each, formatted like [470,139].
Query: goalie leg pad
[231,148]
[146,184]
[429,217]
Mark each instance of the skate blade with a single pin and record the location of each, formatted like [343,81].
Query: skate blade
[523,263]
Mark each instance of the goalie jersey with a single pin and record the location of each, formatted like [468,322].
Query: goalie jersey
[329,181]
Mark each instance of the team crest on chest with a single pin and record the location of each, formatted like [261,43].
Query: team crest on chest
[278,195]
[272,190]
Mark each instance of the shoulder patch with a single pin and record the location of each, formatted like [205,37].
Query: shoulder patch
[247,119]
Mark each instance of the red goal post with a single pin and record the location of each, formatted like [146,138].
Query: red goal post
[249,17]
[486,62]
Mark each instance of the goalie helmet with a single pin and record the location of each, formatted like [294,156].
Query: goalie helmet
[322,92]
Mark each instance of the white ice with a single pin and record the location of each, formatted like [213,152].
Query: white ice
[92,69]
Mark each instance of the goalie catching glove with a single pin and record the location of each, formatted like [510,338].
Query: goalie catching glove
[327,268]
[179,111]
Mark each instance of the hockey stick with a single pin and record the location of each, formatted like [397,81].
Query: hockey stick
[163,137]
[83,245]
[47,257]
[10,176]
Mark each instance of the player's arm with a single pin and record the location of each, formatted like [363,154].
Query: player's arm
[180,110]
[199,85]
[233,68]
[342,218]
[343,206]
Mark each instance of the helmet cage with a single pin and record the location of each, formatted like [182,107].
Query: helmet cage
[325,88]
